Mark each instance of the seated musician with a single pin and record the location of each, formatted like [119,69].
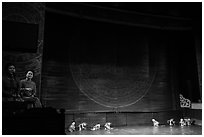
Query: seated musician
[28,90]
[10,84]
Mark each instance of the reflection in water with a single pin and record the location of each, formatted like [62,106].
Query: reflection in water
[155,130]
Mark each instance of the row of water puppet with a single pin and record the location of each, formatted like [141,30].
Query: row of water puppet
[83,125]
[171,122]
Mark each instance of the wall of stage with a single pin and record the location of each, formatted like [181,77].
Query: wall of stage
[105,67]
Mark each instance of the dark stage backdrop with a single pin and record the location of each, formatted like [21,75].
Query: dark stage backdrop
[97,66]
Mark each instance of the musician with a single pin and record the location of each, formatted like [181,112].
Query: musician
[10,84]
[28,90]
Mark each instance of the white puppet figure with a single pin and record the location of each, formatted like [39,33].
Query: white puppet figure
[72,127]
[155,123]
[187,121]
[96,127]
[171,122]
[107,126]
[82,126]
[182,122]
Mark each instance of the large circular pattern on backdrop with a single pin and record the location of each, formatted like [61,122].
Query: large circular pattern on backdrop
[112,86]
[110,65]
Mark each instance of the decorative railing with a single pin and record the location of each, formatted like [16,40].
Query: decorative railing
[184,103]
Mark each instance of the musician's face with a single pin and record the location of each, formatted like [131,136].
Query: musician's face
[11,69]
[29,74]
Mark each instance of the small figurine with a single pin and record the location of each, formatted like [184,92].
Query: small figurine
[96,127]
[182,122]
[171,122]
[155,123]
[82,126]
[187,121]
[107,126]
[72,127]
